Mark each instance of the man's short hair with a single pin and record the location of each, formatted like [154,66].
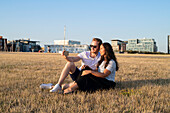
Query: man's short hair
[98,40]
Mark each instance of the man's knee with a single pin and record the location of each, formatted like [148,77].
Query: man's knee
[72,67]
[70,64]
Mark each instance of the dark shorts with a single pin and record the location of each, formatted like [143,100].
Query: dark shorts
[75,74]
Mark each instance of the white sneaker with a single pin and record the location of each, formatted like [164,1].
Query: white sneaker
[46,86]
[56,88]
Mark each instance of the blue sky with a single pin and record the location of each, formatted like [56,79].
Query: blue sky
[44,20]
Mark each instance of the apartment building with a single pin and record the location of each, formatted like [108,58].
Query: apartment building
[66,42]
[118,45]
[142,45]
[3,44]
[70,45]
[23,45]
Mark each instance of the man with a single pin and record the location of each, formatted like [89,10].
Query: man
[89,58]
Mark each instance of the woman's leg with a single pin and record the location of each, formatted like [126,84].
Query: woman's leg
[65,86]
[72,88]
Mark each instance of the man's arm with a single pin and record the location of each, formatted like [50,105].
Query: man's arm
[71,59]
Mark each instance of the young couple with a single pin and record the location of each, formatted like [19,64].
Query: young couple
[97,70]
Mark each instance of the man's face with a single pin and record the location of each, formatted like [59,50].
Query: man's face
[94,47]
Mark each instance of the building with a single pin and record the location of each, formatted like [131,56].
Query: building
[3,44]
[118,45]
[70,45]
[23,45]
[70,48]
[141,45]
[67,42]
[168,44]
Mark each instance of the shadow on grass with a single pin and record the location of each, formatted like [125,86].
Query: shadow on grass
[140,83]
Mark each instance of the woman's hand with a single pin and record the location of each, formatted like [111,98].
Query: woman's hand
[86,72]
[85,66]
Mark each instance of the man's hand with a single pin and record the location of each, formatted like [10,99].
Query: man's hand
[86,72]
[62,54]
[65,53]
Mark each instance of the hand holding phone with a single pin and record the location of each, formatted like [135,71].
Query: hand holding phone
[65,53]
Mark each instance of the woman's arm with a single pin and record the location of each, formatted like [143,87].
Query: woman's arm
[96,73]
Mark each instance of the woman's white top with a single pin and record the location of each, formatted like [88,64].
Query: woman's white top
[111,67]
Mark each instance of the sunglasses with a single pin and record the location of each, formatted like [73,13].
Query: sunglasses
[93,46]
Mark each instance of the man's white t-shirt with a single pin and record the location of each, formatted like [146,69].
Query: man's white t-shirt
[111,67]
[87,60]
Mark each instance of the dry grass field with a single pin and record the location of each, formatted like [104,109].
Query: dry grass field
[143,85]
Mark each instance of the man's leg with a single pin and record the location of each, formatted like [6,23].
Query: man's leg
[63,86]
[69,68]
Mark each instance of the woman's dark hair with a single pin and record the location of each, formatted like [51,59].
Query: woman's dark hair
[109,55]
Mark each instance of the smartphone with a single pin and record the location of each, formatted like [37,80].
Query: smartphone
[66,53]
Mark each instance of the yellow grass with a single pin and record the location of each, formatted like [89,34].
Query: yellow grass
[143,85]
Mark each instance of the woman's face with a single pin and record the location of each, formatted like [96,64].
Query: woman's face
[102,50]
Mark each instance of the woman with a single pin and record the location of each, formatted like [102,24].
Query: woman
[101,78]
